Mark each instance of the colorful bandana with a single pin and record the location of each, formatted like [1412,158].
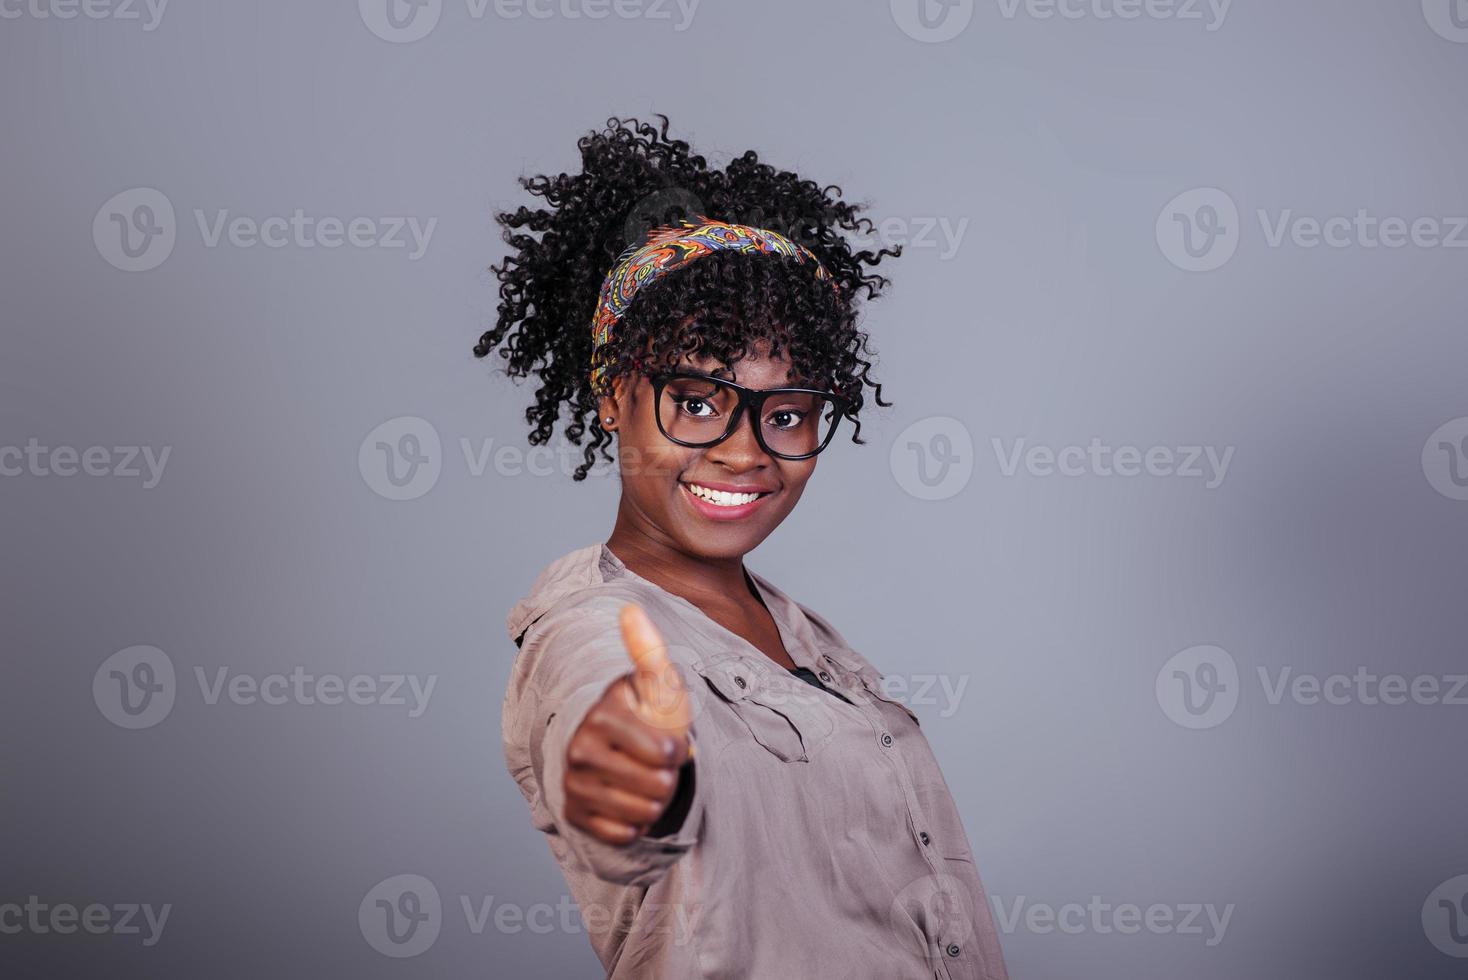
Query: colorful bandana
[666,249]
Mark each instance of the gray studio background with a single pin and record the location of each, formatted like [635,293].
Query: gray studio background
[1087,269]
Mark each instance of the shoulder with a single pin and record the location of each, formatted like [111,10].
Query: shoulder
[592,609]
[577,585]
[564,577]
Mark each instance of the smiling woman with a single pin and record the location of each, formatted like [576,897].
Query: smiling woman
[686,734]
[711,306]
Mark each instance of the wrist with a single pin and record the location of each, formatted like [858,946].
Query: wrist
[673,815]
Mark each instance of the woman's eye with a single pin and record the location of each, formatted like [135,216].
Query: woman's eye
[692,405]
[786,418]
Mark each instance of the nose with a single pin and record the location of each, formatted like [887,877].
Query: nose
[741,451]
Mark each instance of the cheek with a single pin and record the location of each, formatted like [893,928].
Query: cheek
[796,475]
[654,464]
[791,496]
[793,482]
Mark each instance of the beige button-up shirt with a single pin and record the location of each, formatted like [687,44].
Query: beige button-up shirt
[822,840]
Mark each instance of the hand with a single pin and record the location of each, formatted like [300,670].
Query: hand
[622,763]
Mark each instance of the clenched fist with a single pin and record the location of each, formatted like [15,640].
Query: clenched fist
[623,763]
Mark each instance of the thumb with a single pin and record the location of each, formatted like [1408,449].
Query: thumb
[662,698]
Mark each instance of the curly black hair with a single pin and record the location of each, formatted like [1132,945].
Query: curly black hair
[633,176]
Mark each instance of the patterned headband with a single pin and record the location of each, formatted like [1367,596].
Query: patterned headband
[666,249]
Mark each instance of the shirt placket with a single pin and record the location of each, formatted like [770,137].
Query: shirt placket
[889,749]
[951,961]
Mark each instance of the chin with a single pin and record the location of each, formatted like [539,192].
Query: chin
[726,542]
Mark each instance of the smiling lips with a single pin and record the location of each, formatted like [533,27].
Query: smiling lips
[726,494]
[724,504]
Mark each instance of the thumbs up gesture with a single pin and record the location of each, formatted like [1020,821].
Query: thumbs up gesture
[623,762]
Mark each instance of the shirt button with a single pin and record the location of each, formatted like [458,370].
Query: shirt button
[886,740]
[824,677]
[739,681]
[952,949]
[923,836]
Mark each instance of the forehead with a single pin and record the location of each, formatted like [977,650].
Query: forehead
[755,370]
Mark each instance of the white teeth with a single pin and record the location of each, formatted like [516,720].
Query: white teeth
[721,498]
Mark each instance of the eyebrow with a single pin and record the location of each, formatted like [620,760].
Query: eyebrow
[705,374]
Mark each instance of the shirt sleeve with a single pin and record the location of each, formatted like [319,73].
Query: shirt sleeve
[567,660]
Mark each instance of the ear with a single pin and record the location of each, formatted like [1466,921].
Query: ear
[607,408]
[618,403]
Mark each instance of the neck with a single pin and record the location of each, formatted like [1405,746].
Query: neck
[698,579]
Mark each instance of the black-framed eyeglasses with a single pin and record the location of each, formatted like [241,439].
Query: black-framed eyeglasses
[698,411]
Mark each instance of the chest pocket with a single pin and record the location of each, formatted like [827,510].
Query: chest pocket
[868,681]
[788,722]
